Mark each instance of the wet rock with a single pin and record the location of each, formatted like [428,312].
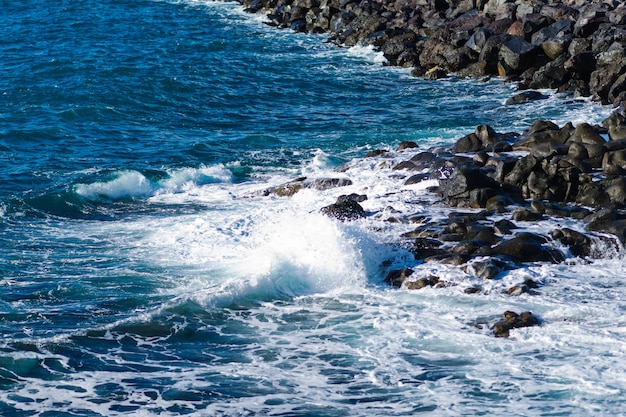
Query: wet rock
[525,97]
[522,168]
[614,162]
[472,290]
[547,150]
[615,188]
[527,248]
[290,188]
[542,132]
[426,247]
[482,138]
[587,135]
[511,320]
[424,160]
[526,287]
[431,281]
[397,277]
[417,178]
[486,268]
[406,166]
[464,179]
[504,227]
[407,144]
[551,75]
[322,184]
[435,73]
[578,243]
[359,198]
[344,210]
[375,153]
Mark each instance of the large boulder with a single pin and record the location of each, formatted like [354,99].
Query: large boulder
[527,247]
[517,54]
[560,29]
[457,187]
[581,63]
[483,137]
[586,134]
[478,39]
[610,65]
[525,97]
[590,19]
[551,75]
[490,52]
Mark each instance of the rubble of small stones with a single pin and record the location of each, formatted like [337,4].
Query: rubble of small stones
[572,46]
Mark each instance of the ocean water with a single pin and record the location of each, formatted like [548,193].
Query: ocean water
[143,273]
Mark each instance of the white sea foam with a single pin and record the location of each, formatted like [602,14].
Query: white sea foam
[367,52]
[325,332]
[297,301]
[135,185]
[127,184]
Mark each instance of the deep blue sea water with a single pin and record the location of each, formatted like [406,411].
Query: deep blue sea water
[142,274]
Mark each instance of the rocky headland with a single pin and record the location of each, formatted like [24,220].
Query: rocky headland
[493,182]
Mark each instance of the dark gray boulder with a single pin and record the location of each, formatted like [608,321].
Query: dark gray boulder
[525,97]
[344,210]
[517,54]
[511,320]
[578,243]
[397,277]
[527,247]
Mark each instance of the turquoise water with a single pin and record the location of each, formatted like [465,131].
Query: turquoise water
[141,274]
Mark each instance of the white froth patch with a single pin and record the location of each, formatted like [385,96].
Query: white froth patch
[297,254]
[186,178]
[135,185]
[127,184]
[368,53]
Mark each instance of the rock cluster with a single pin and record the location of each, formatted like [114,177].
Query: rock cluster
[569,45]
[492,183]
[576,172]
[511,320]
[569,171]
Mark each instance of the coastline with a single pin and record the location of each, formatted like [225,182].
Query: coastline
[491,182]
[568,45]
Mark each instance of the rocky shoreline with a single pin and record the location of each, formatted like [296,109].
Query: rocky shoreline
[548,171]
[493,185]
[572,46]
